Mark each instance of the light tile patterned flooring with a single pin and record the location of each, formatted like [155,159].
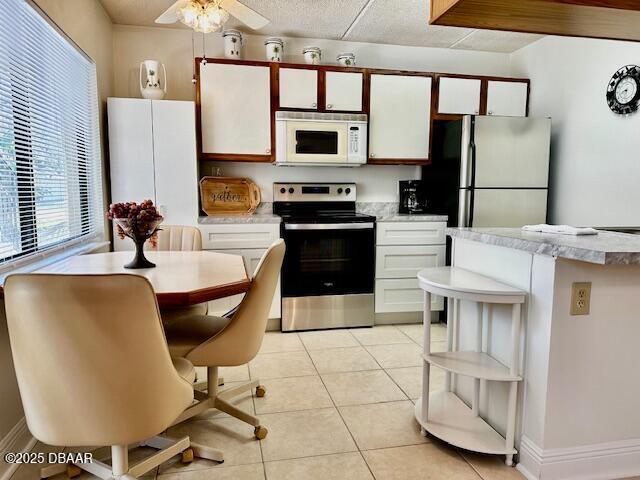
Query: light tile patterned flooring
[339,405]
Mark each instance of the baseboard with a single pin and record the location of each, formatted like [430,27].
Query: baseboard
[19,439]
[603,461]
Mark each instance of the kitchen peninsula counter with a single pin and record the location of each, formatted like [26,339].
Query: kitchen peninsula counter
[605,248]
[580,416]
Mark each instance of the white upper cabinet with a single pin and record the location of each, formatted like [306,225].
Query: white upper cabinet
[459,96]
[400,113]
[235,109]
[344,91]
[507,98]
[298,88]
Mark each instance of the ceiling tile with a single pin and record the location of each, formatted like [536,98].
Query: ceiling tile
[496,41]
[307,18]
[293,18]
[403,22]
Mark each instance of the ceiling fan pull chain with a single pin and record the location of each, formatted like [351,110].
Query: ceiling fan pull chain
[193,56]
[204,50]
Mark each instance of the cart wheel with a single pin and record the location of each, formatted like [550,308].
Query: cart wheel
[73,470]
[187,455]
[261,391]
[260,432]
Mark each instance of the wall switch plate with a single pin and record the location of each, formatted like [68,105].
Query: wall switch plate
[580,298]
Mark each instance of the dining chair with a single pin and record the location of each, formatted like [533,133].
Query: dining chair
[213,342]
[93,368]
[179,238]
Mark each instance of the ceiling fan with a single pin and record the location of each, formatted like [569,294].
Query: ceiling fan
[210,15]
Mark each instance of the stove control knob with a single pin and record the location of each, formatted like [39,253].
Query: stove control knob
[347,191]
[339,191]
[291,190]
[283,190]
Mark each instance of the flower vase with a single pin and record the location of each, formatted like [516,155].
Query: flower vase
[140,261]
[139,232]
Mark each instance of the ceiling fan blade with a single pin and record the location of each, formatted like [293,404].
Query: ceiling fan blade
[249,17]
[170,15]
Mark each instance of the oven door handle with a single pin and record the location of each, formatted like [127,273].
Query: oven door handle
[329,226]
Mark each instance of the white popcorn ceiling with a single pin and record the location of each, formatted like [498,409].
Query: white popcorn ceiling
[395,22]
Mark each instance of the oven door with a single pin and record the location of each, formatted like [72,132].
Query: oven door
[317,142]
[328,259]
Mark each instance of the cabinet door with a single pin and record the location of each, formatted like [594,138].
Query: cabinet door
[400,117]
[459,96]
[176,170]
[130,154]
[507,98]
[344,91]
[235,109]
[298,88]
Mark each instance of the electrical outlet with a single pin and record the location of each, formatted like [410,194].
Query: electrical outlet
[580,298]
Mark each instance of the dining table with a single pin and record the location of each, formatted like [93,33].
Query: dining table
[179,278]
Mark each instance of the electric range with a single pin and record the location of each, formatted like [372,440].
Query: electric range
[328,273]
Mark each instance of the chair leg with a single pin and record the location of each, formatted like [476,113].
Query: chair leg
[234,411]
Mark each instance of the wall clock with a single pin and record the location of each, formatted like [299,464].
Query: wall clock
[623,90]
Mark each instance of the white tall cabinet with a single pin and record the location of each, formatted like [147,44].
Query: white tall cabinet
[152,153]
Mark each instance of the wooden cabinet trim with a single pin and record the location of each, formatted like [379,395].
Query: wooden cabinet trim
[235,156]
[366,102]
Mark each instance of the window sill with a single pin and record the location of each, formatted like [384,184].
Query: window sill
[39,263]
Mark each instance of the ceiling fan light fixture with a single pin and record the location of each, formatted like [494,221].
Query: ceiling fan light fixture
[216,14]
[189,13]
[203,18]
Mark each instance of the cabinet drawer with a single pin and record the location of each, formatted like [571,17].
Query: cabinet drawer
[402,261]
[411,233]
[234,236]
[402,295]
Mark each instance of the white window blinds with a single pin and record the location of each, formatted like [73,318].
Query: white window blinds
[50,167]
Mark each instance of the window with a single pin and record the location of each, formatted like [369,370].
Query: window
[50,167]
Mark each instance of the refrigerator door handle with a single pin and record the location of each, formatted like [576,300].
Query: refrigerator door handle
[464,207]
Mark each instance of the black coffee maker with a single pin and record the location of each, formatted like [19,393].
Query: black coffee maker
[413,197]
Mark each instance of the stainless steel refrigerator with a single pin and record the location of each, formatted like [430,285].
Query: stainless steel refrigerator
[489,171]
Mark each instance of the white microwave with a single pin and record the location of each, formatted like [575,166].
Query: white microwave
[326,139]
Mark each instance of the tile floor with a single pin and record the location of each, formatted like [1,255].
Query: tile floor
[339,405]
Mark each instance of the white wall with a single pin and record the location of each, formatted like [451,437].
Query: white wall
[595,167]
[375,183]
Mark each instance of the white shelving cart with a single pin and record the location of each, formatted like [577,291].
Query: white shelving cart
[442,413]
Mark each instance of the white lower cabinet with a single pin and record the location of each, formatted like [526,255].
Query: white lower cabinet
[230,236]
[253,240]
[411,233]
[403,249]
[402,295]
[405,261]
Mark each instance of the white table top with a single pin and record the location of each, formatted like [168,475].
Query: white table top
[179,278]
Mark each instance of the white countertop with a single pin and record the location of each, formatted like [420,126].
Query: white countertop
[605,248]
